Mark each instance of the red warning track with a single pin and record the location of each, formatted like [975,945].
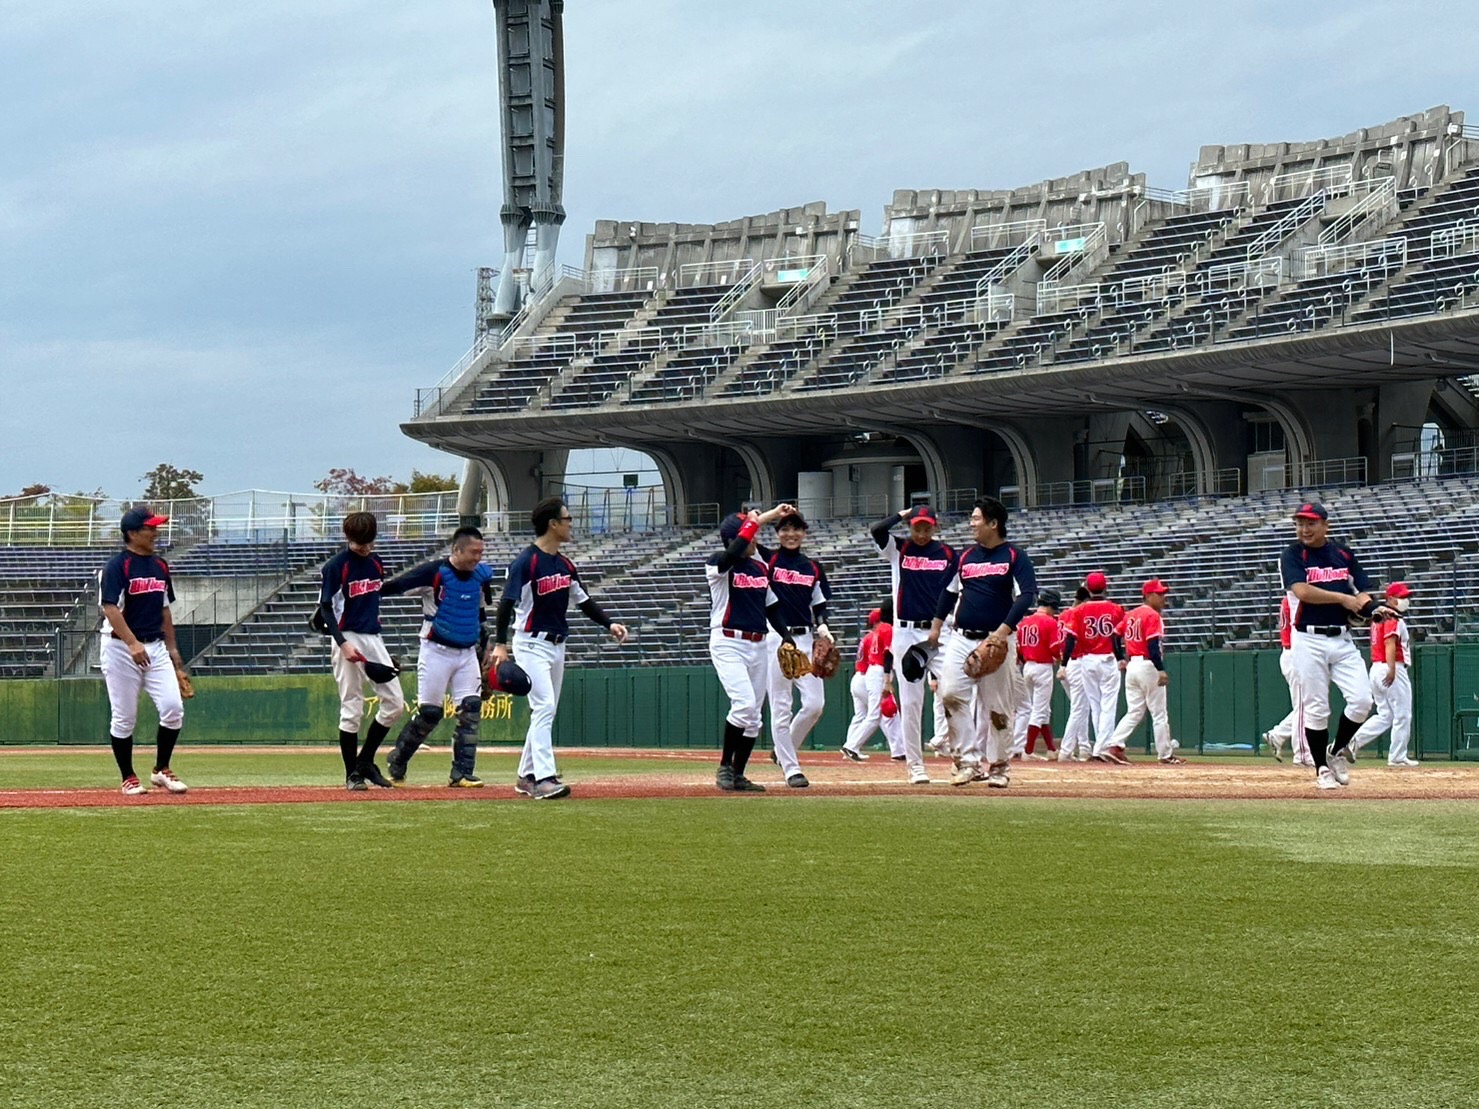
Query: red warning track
[691,776]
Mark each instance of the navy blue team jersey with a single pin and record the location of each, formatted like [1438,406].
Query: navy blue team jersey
[800,586]
[919,575]
[140,586]
[351,586]
[738,595]
[454,609]
[1333,567]
[990,588]
[541,586]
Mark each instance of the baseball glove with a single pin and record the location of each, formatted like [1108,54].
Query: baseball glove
[187,690]
[825,658]
[986,658]
[794,663]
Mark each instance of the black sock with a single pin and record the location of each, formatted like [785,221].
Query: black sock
[349,749]
[123,755]
[743,746]
[165,740]
[376,732]
[732,736]
[1318,739]
[1345,731]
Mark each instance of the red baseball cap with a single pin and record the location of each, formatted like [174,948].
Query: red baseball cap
[1096,582]
[1154,585]
[1398,589]
[1311,510]
[136,518]
[875,616]
[924,512]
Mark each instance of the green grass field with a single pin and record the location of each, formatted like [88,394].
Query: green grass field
[740,952]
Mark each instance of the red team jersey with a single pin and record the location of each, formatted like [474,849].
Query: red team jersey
[1039,638]
[1140,627]
[880,639]
[1389,629]
[1285,624]
[1093,625]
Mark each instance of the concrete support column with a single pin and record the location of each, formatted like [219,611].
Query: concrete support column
[1400,407]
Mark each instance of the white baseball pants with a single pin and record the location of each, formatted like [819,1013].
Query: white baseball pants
[544,662]
[976,735]
[351,680]
[1284,730]
[910,695]
[440,669]
[867,714]
[743,668]
[125,678]
[1319,660]
[1100,675]
[1076,730]
[1393,710]
[789,728]
[1143,692]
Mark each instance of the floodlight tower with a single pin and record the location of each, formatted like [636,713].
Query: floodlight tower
[531,95]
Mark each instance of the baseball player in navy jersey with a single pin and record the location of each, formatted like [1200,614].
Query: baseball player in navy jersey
[800,587]
[138,650]
[349,607]
[1326,585]
[455,609]
[919,569]
[1391,687]
[743,608]
[993,588]
[536,600]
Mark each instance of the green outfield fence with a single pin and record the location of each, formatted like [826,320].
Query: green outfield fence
[1218,699]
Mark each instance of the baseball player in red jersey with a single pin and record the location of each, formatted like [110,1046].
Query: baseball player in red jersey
[1039,646]
[1076,743]
[1284,731]
[1391,687]
[870,683]
[1144,634]
[1094,632]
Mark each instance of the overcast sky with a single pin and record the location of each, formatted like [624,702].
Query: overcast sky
[237,237]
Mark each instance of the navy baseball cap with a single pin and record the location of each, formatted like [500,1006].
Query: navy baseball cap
[1049,597]
[729,529]
[923,513]
[792,520]
[510,677]
[136,518]
[1311,510]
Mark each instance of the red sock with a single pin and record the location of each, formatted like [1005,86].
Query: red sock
[1047,737]
[1032,733]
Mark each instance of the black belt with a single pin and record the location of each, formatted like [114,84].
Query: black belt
[140,638]
[433,637]
[1324,629]
[972,634]
[553,637]
[915,623]
[748,637]
[800,629]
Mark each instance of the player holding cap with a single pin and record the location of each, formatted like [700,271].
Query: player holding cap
[1146,679]
[138,650]
[742,604]
[349,611]
[536,599]
[458,593]
[1391,687]
[1039,646]
[993,588]
[1326,585]
[1094,631]
[801,589]
[919,569]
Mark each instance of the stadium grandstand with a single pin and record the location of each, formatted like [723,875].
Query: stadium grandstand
[1149,378]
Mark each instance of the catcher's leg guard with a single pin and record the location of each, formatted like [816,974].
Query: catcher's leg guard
[465,738]
[413,735]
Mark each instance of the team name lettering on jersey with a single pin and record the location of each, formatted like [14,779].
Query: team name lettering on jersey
[751,581]
[984,569]
[1326,573]
[147,585]
[364,585]
[793,577]
[919,562]
[552,583]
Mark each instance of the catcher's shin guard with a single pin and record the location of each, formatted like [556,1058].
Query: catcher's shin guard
[465,738]
[418,726]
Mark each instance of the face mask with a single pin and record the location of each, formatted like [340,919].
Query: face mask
[1400,604]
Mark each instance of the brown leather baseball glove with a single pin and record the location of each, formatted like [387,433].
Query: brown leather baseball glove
[986,658]
[825,658]
[187,690]
[794,663]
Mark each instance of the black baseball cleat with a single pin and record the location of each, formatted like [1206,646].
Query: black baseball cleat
[467,781]
[525,785]
[397,774]
[797,781]
[744,785]
[355,784]
[724,779]
[371,773]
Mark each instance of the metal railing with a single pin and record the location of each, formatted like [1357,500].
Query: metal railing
[744,283]
[1453,242]
[1111,490]
[1317,473]
[1053,297]
[800,296]
[1204,483]
[1378,204]
[1412,462]
[1381,254]
[1257,273]
[1213,198]
[628,279]
[994,307]
[1291,222]
[695,274]
[1286,186]
[903,244]
[1014,261]
[994,236]
[1079,246]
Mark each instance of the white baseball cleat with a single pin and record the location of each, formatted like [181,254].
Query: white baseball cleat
[1274,744]
[1405,762]
[1326,780]
[965,775]
[919,776]
[165,779]
[1340,768]
[998,779]
[132,787]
